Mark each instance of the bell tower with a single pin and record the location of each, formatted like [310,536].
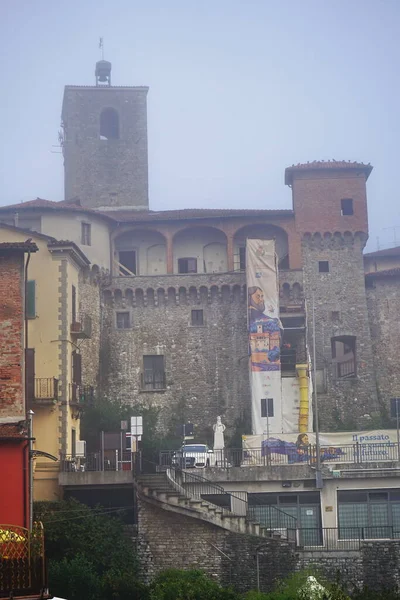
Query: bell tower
[105,144]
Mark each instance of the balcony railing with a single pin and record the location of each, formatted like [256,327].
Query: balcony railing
[22,565]
[287,455]
[152,381]
[346,369]
[81,395]
[82,329]
[334,539]
[109,460]
[45,390]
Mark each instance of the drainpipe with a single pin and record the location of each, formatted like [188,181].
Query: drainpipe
[301,371]
[28,411]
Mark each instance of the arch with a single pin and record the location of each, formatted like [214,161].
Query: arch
[140,251]
[236,293]
[193,295]
[203,294]
[285,292]
[118,298]
[297,291]
[139,297]
[150,300]
[109,124]
[214,293]
[107,298]
[226,293]
[129,297]
[182,295]
[171,296]
[265,231]
[192,246]
[161,297]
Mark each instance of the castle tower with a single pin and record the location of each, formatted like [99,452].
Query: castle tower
[330,204]
[105,144]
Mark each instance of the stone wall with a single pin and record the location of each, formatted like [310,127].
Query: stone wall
[89,304]
[170,540]
[206,366]
[383,298]
[340,309]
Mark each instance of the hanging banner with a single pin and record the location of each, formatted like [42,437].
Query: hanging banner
[264,330]
[343,447]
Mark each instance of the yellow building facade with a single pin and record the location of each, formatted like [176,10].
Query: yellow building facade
[55,331]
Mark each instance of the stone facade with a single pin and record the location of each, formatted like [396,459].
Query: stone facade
[106,172]
[383,297]
[170,540]
[340,310]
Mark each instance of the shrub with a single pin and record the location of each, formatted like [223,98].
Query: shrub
[174,584]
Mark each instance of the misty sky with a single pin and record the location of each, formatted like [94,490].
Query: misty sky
[239,89]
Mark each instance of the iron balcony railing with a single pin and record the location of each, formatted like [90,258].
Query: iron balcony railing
[231,503]
[81,395]
[109,460]
[346,369]
[273,453]
[22,563]
[46,389]
[336,539]
[82,328]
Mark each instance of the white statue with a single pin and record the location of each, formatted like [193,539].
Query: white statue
[219,429]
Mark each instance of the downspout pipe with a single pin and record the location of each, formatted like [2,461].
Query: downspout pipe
[301,370]
[28,411]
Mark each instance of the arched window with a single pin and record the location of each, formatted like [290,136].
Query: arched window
[109,124]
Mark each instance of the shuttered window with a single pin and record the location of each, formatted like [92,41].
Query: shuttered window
[76,368]
[30,373]
[31,299]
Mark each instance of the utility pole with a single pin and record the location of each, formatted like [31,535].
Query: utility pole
[318,474]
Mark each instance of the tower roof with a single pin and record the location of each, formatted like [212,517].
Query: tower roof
[326,165]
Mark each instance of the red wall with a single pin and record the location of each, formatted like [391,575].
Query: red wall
[14,478]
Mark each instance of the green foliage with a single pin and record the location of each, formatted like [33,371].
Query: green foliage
[88,552]
[174,584]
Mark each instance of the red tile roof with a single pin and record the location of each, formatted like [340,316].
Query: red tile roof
[323,165]
[27,246]
[387,252]
[65,205]
[192,213]
[395,272]
[13,430]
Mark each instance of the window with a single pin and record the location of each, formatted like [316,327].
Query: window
[123,320]
[153,377]
[347,207]
[109,124]
[187,265]
[30,299]
[344,355]
[197,318]
[76,368]
[267,407]
[127,263]
[30,373]
[86,234]
[242,258]
[73,443]
[323,266]
[73,304]
[369,514]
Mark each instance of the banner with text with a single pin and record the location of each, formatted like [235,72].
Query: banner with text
[264,329]
[343,447]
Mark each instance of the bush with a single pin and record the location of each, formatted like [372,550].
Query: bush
[174,584]
[74,579]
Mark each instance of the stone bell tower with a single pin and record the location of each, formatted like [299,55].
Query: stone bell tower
[105,144]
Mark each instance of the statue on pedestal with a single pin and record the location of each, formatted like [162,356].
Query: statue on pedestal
[219,443]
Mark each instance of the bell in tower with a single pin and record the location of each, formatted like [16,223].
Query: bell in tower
[103,73]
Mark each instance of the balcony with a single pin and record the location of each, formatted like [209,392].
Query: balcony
[82,329]
[22,564]
[80,396]
[43,391]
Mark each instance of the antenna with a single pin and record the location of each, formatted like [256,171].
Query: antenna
[101,47]
[394,228]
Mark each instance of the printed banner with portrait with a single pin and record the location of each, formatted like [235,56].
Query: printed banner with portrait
[264,329]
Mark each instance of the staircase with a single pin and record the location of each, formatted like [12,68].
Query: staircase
[183,493]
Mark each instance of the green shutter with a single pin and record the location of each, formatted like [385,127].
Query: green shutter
[30,299]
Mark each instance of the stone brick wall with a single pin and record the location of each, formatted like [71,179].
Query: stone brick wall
[383,298]
[89,303]
[169,540]
[206,367]
[105,173]
[11,336]
[350,402]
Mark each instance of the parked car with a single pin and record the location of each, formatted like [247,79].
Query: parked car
[195,456]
